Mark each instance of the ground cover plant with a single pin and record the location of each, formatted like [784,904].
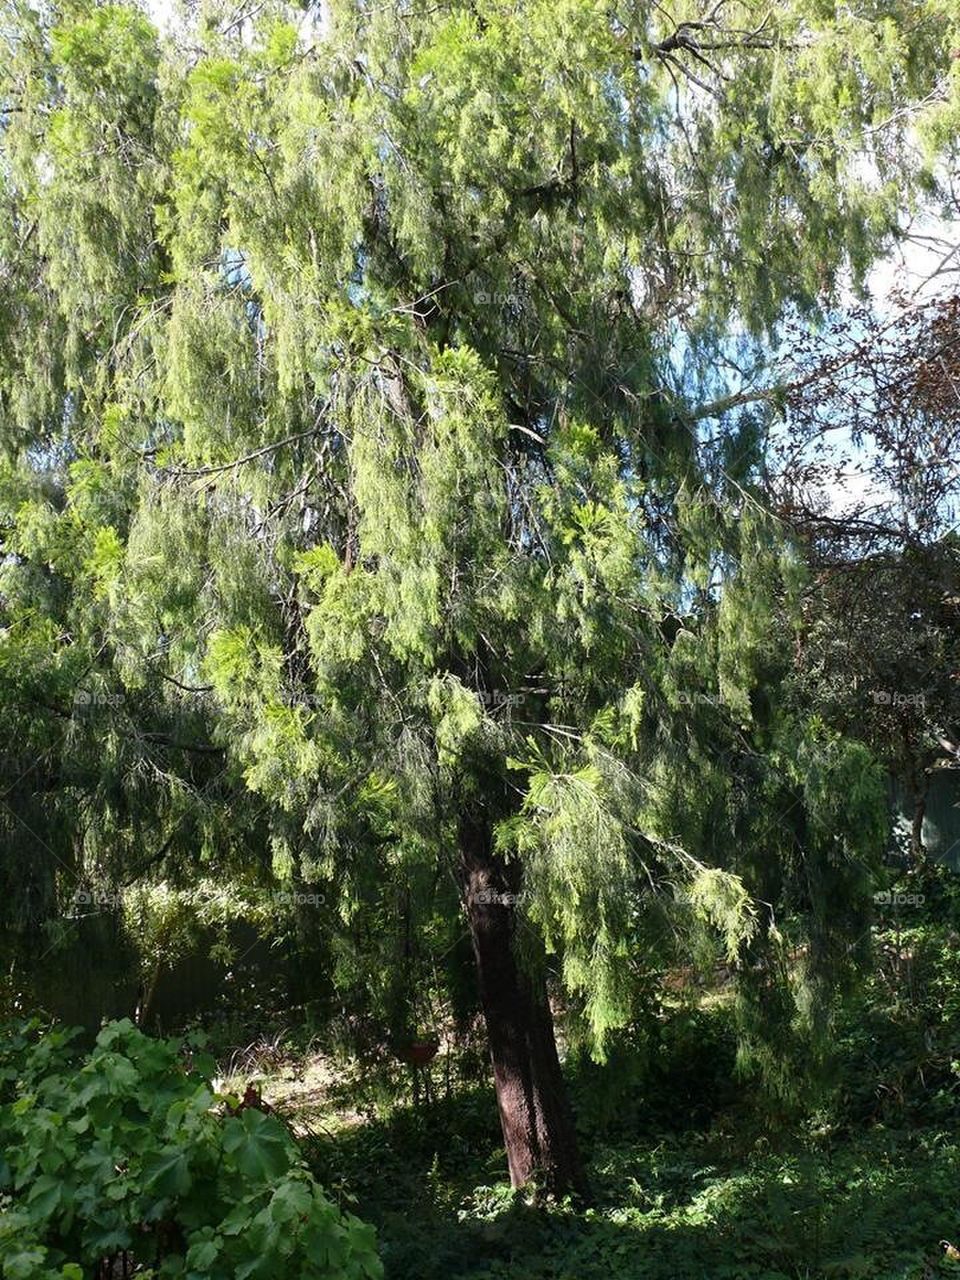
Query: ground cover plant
[119,1159]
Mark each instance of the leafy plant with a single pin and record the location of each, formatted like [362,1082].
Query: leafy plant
[125,1153]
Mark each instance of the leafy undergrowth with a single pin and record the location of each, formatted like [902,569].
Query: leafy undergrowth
[882,1203]
[691,1176]
[885,1205]
[702,1192]
[123,1160]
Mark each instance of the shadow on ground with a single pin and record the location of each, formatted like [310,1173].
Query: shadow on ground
[883,1205]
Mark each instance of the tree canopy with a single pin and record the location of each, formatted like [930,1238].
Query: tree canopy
[380,500]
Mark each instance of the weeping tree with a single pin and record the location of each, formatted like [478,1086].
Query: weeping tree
[368,373]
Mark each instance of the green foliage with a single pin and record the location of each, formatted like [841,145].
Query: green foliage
[125,1150]
[354,385]
[688,1181]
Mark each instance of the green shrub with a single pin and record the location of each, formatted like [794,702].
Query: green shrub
[128,1151]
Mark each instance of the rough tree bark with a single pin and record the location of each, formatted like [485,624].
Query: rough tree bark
[918,850]
[535,1114]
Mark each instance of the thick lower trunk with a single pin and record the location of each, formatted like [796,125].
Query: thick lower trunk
[535,1115]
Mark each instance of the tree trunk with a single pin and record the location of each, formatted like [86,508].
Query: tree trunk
[917,848]
[535,1114]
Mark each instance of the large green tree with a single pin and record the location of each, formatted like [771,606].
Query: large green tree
[356,363]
